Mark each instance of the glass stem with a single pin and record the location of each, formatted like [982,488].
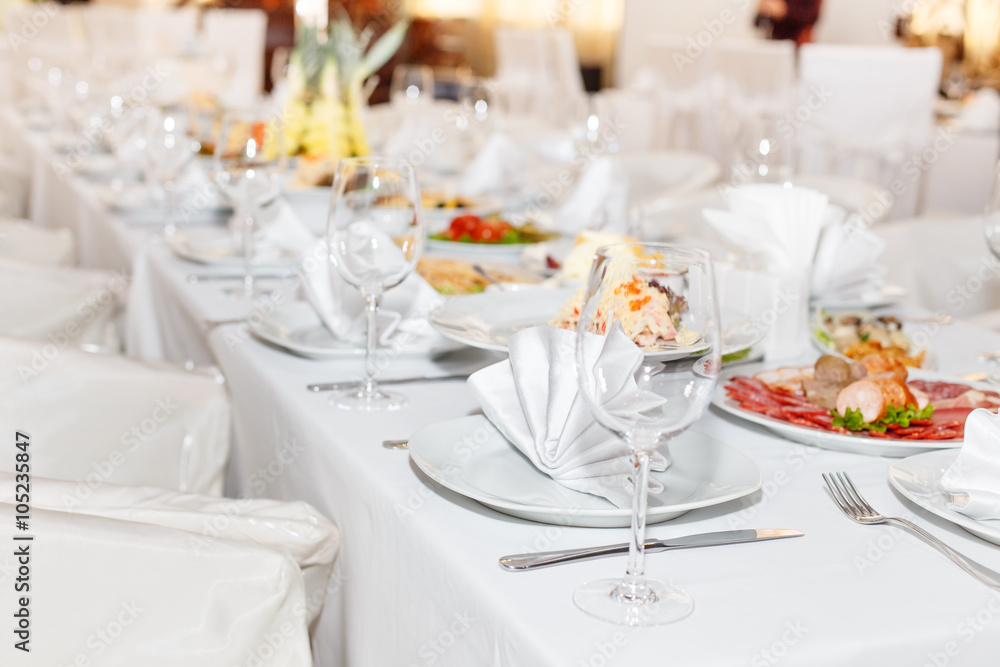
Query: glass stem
[371,344]
[170,226]
[248,248]
[633,586]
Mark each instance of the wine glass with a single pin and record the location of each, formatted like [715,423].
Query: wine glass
[411,84]
[991,229]
[375,236]
[170,145]
[248,163]
[763,152]
[672,388]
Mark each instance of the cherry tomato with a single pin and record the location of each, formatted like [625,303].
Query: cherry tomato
[464,224]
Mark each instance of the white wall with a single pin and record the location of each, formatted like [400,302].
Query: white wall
[842,21]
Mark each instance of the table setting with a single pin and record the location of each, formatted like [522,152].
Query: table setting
[550,430]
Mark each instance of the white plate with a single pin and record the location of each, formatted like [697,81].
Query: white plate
[511,251]
[919,479]
[297,328]
[134,202]
[817,324]
[215,246]
[857,444]
[887,295]
[471,457]
[488,320]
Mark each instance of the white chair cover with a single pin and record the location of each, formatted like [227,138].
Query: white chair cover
[754,78]
[22,241]
[868,112]
[292,527]
[72,306]
[14,187]
[683,89]
[101,418]
[237,36]
[538,73]
[121,592]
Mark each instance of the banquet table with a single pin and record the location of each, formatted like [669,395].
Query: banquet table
[417,580]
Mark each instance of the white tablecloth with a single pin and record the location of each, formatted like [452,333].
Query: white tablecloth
[417,580]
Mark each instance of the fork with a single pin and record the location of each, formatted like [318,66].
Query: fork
[857,509]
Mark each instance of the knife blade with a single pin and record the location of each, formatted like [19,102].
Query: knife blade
[336,386]
[531,561]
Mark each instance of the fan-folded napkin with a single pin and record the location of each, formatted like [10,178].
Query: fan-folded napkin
[340,305]
[534,401]
[846,265]
[975,473]
[599,200]
[498,167]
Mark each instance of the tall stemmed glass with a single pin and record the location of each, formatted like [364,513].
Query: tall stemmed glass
[375,236]
[248,163]
[170,145]
[991,221]
[681,382]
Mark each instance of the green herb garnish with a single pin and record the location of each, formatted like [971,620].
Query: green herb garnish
[901,417]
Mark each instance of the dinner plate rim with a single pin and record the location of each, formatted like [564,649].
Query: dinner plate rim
[190,254]
[567,292]
[880,447]
[592,517]
[934,460]
[303,309]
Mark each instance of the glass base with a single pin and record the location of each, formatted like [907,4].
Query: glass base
[237,292]
[359,399]
[657,604]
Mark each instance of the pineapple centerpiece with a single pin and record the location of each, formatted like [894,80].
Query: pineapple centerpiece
[325,93]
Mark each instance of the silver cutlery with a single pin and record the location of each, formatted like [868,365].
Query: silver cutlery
[396,444]
[336,386]
[486,276]
[531,561]
[857,509]
[195,278]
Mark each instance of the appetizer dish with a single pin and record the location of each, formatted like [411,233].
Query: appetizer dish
[856,334]
[871,398]
[650,314]
[576,265]
[492,230]
[455,276]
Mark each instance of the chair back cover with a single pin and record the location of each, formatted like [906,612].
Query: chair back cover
[868,113]
[71,307]
[103,418]
[118,592]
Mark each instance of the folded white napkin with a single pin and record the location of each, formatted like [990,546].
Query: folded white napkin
[534,401]
[846,265]
[403,309]
[599,200]
[498,167]
[278,230]
[975,474]
[791,217]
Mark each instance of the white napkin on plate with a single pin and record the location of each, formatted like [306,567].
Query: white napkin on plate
[403,309]
[278,230]
[846,266]
[975,473]
[599,200]
[498,167]
[534,401]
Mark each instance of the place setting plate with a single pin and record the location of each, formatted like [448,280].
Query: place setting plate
[856,444]
[488,320]
[216,247]
[472,458]
[297,328]
[918,478]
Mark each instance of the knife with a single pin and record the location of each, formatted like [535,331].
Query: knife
[521,562]
[335,386]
